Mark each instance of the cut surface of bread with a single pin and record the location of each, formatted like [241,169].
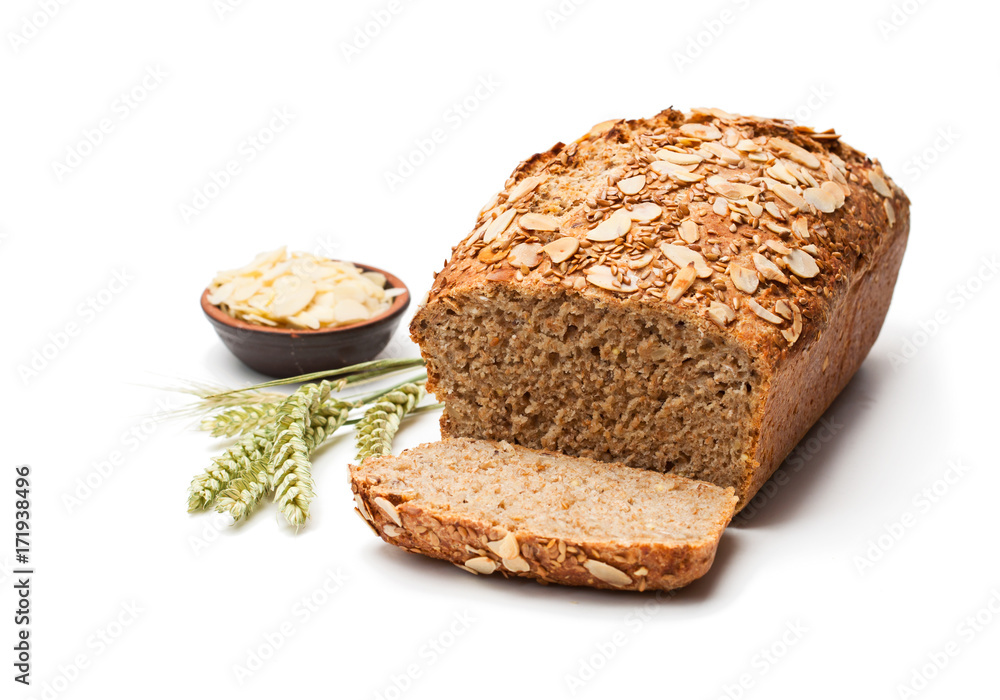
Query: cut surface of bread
[491,507]
[632,384]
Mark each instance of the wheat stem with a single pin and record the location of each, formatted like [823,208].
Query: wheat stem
[354,374]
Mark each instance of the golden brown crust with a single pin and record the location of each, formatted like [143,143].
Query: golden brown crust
[787,240]
[435,531]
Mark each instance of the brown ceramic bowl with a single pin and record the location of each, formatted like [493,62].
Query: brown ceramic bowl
[286,352]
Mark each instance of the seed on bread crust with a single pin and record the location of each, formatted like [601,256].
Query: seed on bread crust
[482,565]
[607,573]
[562,249]
[389,510]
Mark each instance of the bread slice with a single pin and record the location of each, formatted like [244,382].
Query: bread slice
[495,507]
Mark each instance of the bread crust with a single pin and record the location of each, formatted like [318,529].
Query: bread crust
[435,531]
[821,293]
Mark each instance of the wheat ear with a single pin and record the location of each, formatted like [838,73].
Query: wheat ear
[380,422]
[240,419]
[248,450]
[294,488]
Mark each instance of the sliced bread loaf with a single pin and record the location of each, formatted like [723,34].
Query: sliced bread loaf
[494,507]
[686,293]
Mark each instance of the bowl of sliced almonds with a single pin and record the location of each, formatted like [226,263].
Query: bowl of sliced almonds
[286,314]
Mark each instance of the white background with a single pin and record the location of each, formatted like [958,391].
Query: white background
[806,577]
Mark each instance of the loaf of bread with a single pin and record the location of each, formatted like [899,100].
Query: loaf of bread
[493,507]
[686,294]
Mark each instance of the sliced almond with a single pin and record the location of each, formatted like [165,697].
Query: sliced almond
[779,172]
[792,334]
[561,249]
[703,132]
[802,264]
[666,167]
[768,270]
[640,263]
[681,173]
[796,153]
[391,530]
[478,233]
[221,294]
[731,190]
[645,211]
[615,226]
[772,209]
[678,158]
[722,314]
[801,227]
[362,508]
[681,256]
[525,254]
[889,211]
[498,225]
[743,279]
[601,128]
[632,185]
[538,222]
[783,309]
[715,112]
[482,565]
[801,176]
[517,564]
[687,177]
[293,299]
[787,193]
[689,231]
[523,187]
[821,199]
[245,288]
[682,282]
[879,183]
[388,509]
[719,151]
[834,173]
[836,191]
[763,313]
[778,246]
[720,207]
[747,146]
[606,572]
[601,276]
[490,255]
[755,209]
[506,547]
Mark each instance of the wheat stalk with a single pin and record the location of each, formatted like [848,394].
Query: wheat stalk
[240,459]
[278,434]
[287,471]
